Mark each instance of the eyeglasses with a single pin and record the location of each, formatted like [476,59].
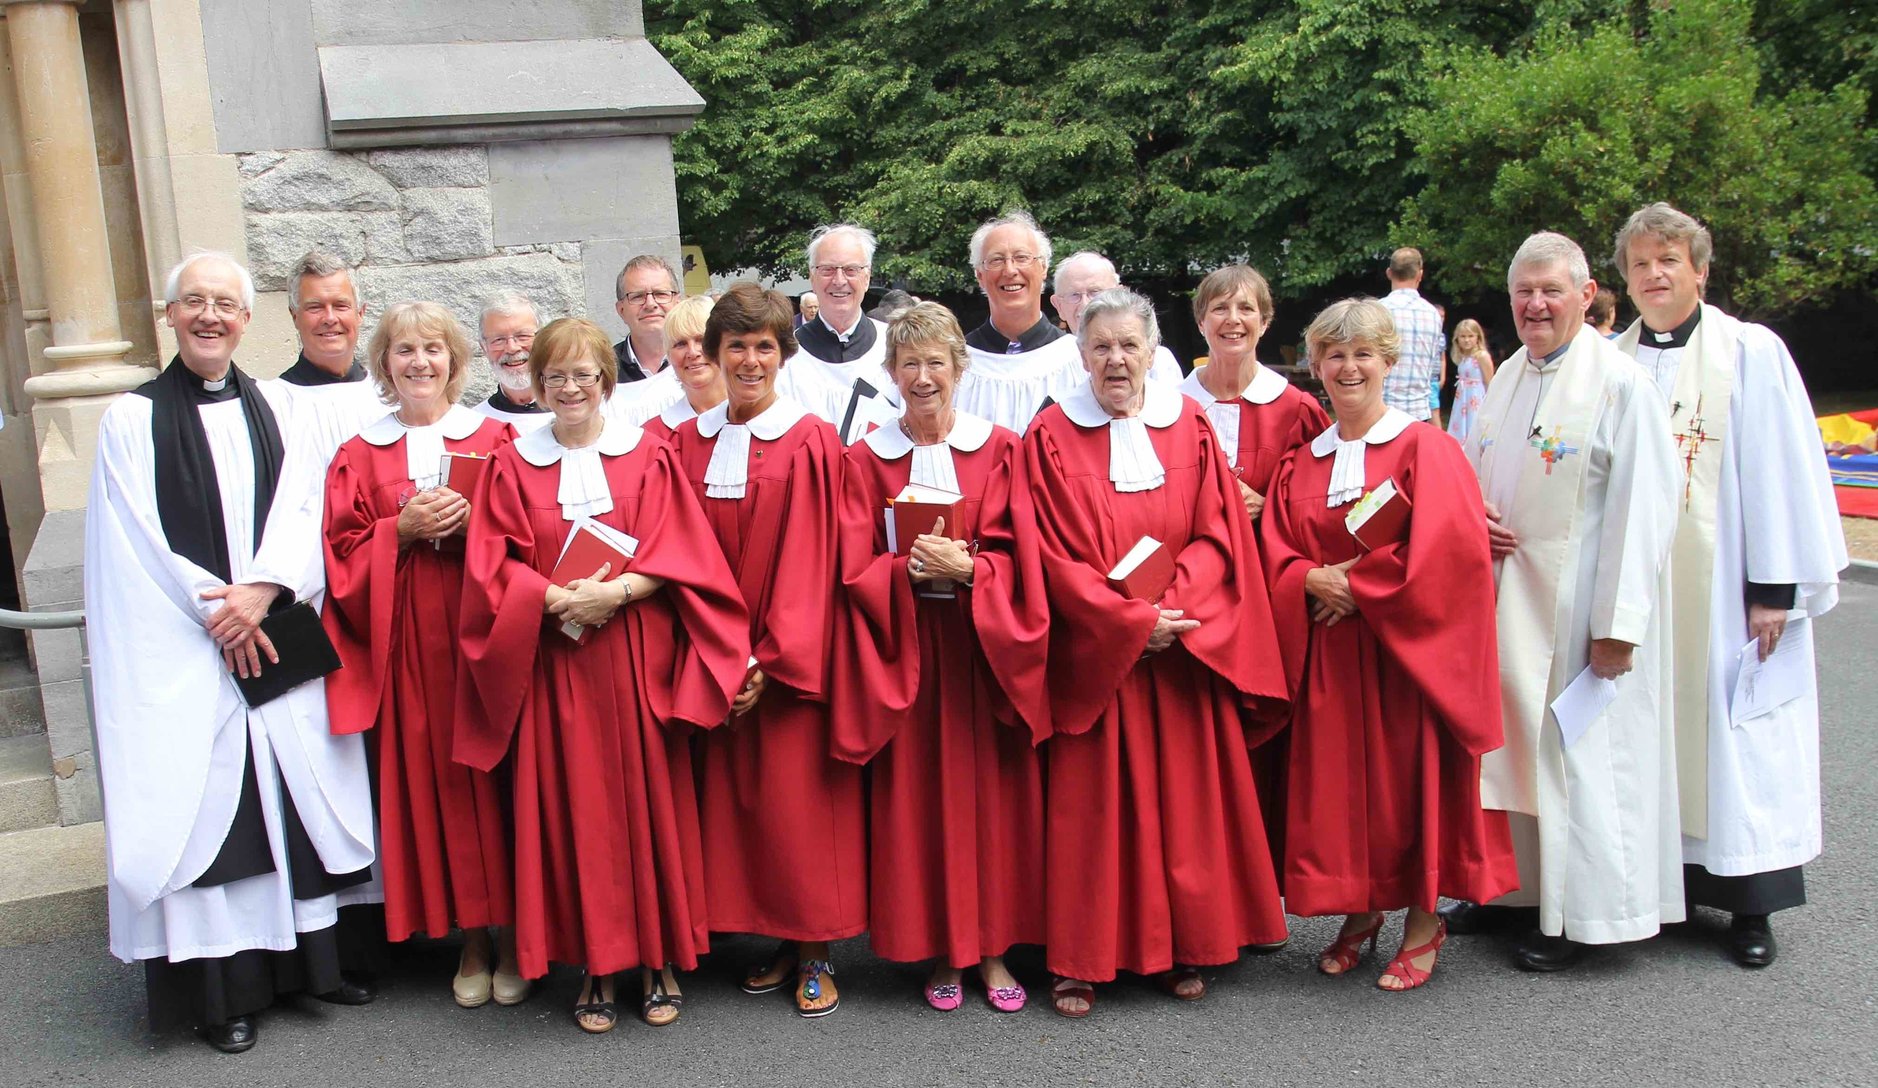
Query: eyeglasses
[852,271]
[223,307]
[500,344]
[997,261]
[1077,298]
[584,380]
[638,298]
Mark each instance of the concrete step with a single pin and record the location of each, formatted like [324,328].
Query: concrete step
[27,796]
[21,711]
[52,884]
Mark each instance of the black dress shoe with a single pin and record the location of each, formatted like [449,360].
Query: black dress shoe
[230,1036]
[1469,918]
[1538,952]
[359,991]
[1751,940]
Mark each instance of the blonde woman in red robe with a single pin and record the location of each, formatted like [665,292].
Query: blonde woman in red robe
[1395,661]
[609,863]
[702,378]
[940,680]
[784,827]
[394,573]
[1156,857]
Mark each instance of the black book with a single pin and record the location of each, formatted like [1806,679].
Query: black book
[306,654]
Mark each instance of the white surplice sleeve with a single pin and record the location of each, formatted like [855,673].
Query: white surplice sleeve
[1790,517]
[1642,502]
[290,554]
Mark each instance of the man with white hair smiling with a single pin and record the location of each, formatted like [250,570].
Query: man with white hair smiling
[1020,360]
[837,372]
[1581,483]
[236,829]
[1081,277]
[506,331]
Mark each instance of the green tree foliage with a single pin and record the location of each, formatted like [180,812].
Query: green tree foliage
[1179,134]
[1575,132]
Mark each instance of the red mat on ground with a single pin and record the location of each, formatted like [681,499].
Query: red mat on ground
[1857,502]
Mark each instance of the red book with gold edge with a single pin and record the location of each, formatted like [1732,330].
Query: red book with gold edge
[1145,572]
[917,508]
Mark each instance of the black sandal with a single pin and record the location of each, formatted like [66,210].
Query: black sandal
[607,1011]
[783,963]
[658,997]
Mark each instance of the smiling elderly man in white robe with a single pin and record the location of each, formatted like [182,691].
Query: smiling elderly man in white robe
[1579,473]
[1021,362]
[233,833]
[1757,558]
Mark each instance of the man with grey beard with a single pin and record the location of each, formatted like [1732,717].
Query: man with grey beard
[506,331]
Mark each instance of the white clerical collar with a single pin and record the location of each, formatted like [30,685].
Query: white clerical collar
[1346,474]
[583,490]
[676,413]
[1160,406]
[969,433]
[728,472]
[769,424]
[1267,386]
[457,424]
[423,446]
[841,334]
[1133,464]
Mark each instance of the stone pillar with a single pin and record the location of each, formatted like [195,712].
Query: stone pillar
[88,343]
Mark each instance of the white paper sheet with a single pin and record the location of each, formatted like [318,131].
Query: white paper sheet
[1763,686]
[1582,702]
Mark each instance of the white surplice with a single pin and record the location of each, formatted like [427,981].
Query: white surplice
[827,391]
[1577,456]
[173,733]
[1775,523]
[1010,389]
[334,411]
[635,402]
[523,422]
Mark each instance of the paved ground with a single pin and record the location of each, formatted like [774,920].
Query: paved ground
[1673,1011]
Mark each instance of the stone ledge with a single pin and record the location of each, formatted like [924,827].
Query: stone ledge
[52,884]
[487,92]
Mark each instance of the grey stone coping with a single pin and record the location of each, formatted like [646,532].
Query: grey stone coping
[483,92]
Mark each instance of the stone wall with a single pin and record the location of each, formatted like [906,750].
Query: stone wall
[417,223]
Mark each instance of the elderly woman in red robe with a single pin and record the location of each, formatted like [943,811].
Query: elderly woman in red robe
[1156,854]
[394,573]
[941,681]
[590,682]
[1390,644]
[783,821]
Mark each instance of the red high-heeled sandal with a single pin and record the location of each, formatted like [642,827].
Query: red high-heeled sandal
[1347,950]
[1405,972]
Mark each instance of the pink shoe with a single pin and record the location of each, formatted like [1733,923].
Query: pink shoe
[1006,998]
[945,998]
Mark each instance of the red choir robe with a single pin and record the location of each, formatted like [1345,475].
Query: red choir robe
[609,865]
[1395,705]
[1269,420]
[784,826]
[1156,850]
[942,695]
[391,613]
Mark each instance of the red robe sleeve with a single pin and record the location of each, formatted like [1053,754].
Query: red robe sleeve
[1010,611]
[794,628]
[1286,563]
[1430,598]
[500,618]
[1095,634]
[877,661]
[1219,580]
[361,579]
[713,626]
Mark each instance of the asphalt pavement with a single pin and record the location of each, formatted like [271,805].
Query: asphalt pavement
[1671,1011]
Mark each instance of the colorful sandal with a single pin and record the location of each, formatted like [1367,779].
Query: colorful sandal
[809,988]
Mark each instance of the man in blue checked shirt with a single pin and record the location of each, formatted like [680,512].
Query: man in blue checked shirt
[1419,327]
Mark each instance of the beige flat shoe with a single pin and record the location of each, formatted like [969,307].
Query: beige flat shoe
[471,991]
[510,989]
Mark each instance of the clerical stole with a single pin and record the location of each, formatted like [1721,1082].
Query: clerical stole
[1698,417]
[1546,457]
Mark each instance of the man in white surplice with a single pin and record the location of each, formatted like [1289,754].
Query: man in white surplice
[836,370]
[233,834]
[1020,360]
[1757,557]
[1079,278]
[1580,478]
